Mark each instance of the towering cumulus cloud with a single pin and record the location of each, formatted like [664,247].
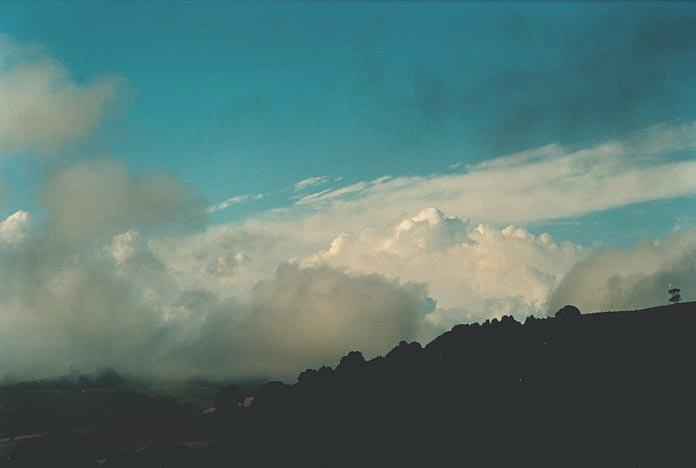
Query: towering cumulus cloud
[474,272]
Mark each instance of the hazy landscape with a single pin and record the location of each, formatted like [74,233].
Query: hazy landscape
[605,388]
[321,234]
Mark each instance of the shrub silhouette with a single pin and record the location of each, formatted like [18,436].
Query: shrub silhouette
[568,312]
[228,400]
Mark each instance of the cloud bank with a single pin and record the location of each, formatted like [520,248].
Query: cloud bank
[120,272]
[72,306]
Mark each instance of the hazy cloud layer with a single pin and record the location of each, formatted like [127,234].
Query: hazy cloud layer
[638,277]
[302,317]
[99,197]
[43,108]
[79,308]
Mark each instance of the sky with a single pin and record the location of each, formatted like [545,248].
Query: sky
[249,189]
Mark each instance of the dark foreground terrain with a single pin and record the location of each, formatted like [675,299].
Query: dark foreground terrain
[605,389]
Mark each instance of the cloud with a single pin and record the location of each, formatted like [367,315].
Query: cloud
[14,229]
[124,246]
[638,277]
[227,302]
[100,198]
[43,108]
[125,309]
[67,298]
[302,317]
[111,276]
[105,280]
[550,182]
[333,194]
[236,200]
[311,182]
[474,272]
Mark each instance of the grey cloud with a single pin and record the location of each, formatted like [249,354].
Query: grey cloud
[43,109]
[86,288]
[98,198]
[85,311]
[303,317]
[67,298]
[634,278]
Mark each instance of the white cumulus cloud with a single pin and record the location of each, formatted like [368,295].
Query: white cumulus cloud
[14,228]
[472,271]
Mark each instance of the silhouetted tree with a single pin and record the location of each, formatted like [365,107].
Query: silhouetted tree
[675,295]
[350,362]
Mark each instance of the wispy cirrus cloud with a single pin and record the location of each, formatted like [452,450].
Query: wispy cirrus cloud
[311,182]
[327,195]
[236,200]
[550,182]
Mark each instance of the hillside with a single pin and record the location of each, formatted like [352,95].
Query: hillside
[603,389]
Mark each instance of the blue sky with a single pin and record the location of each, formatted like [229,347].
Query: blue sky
[256,188]
[251,98]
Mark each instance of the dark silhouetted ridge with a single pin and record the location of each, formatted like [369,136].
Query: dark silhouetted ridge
[602,389]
